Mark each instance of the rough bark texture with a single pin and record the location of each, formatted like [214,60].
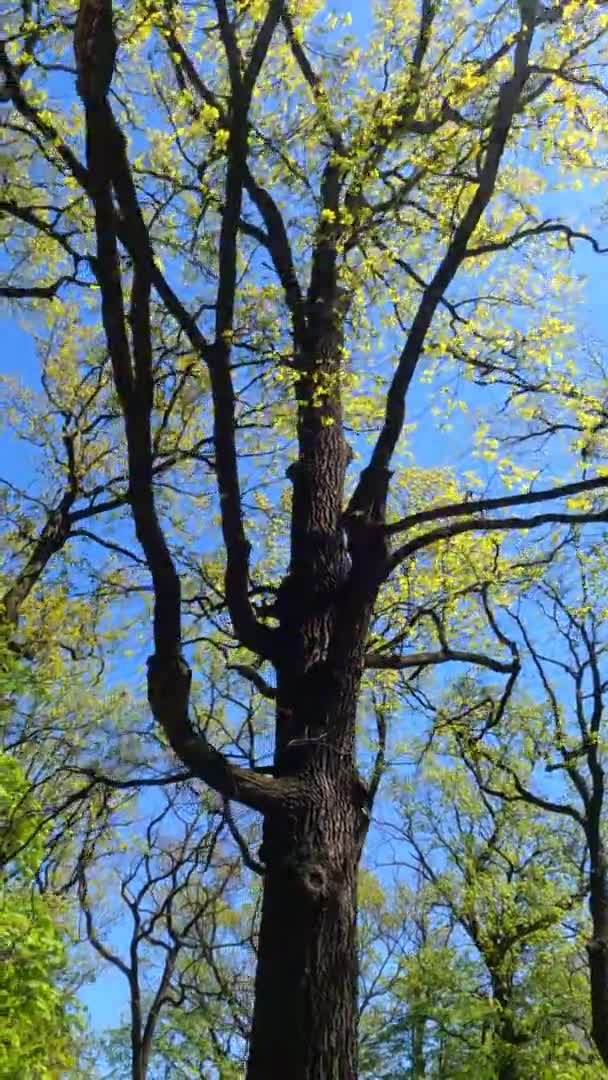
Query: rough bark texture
[304,1023]
[505,1028]
[597,949]
[305,1014]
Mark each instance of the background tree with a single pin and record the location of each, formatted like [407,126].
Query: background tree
[250,213]
[182,932]
[560,734]
[40,1030]
[504,896]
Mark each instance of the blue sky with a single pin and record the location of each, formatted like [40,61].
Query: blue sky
[106,997]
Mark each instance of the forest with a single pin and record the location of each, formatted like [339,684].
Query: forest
[303,506]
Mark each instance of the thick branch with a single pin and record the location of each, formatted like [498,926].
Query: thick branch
[280,250]
[475,506]
[168,675]
[508,101]
[251,633]
[34,292]
[506,524]
[168,694]
[379,661]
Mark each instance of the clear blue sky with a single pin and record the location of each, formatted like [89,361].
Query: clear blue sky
[106,998]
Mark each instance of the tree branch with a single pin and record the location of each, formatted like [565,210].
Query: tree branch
[169,677]
[508,101]
[241,843]
[525,795]
[256,679]
[457,528]
[34,292]
[380,759]
[542,229]
[52,538]
[251,633]
[474,506]
[379,661]
[168,694]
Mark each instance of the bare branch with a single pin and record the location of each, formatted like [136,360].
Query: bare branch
[380,760]
[543,229]
[507,524]
[474,506]
[256,679]
[380,661]
[135,782]
[239,839]
[508,101]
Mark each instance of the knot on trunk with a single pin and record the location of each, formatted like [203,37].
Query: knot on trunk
[310,852]
[314,880]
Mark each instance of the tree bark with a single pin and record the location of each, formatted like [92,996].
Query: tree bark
[139,1051]
[597,949]
[304,1025]
[505,1030]
[418,1054]
[305,1015]
[139,1063]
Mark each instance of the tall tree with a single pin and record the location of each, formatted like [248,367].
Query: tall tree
[258,208]
[177,922]
[40,1018]
[503,877]
[564,731]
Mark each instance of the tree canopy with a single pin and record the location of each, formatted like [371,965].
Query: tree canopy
[317,432]
[40,1018]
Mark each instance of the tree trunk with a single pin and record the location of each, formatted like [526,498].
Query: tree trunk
[507,1066]
[139,1058]
[507,1037]
[139,1065]
[305,1013]
[418,1055]
[304,1025]
[597,949]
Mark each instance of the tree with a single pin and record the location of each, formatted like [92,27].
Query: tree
[434,1014]
[225,282]
[503,908]
[40,1020]
[179,922]
[563,730]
